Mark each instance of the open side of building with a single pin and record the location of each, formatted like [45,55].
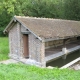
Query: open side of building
[39,40]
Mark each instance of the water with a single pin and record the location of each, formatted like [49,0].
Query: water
[61,62]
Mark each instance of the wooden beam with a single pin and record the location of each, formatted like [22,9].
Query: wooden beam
[64,42]
[10,25]
[26,32]
[78,38]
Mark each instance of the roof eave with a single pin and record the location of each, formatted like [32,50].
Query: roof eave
[6,30]
[52,39]
[28,29]
[9,25]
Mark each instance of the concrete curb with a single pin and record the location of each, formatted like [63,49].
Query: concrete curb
[71,63]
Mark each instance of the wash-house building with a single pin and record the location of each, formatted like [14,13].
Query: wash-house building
[40,40]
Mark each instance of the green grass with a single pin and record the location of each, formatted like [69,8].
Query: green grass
[25,72]
[4,48]
[21,71]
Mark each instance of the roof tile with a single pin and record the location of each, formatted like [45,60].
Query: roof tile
[51,28]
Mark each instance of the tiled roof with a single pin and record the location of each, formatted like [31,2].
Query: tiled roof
[47,28]
[51,28]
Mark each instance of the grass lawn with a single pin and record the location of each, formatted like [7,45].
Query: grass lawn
[21,71]
[4,48]
[24,72]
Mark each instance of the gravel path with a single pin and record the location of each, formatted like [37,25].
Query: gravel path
[9,61]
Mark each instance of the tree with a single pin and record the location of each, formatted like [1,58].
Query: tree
[37,8]
[43,8]
[72,9]
[66,9]
[6,12]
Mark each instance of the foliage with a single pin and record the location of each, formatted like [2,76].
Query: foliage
[6,12]
[64,9]
[38,8]
[43,8]
[25,72]
[4,48]
[4,20]
[7,5]
[72,9]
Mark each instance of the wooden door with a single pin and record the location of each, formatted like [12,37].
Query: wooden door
[26,47]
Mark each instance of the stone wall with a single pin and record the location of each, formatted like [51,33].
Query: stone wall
[56,43]
[53,43]
[36,49]
[16,42]
[23,29]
